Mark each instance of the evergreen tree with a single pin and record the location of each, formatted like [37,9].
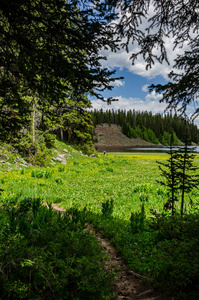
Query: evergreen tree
[186,173]
[158,127]
[180,176]
[169,171]
[48,49]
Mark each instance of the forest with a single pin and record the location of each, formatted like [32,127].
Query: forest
[146,205]
[154,128]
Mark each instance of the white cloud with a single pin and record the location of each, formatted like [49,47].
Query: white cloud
[153,96]
[121,59]
[145,88]
[151,104]
[118,83]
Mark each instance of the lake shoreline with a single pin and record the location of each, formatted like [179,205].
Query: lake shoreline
[139,148]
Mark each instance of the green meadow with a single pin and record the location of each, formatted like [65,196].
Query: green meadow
[85,181]
[129,179]
[118,194]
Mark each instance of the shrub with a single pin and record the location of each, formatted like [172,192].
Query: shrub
[49,140]
[107,208]
[137,220]
[46,256]
[41,158]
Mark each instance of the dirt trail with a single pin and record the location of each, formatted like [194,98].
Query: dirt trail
[128,285]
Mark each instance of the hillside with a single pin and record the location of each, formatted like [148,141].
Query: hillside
[112,137]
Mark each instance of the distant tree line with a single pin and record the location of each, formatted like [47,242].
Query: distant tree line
[155,128]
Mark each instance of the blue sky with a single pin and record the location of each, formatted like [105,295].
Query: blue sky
[132,92]
[133,85]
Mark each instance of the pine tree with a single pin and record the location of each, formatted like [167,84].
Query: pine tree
[169,171]
[186,173]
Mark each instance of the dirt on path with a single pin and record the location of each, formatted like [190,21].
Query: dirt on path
[128,284]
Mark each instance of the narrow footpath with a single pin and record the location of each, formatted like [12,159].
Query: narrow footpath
[128,284]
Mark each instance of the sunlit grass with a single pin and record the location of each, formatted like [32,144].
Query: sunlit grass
[127,178]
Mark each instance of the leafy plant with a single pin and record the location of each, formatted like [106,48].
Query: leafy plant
[48,174]
[37,173]
[59,180]
[137,220]
[49,140]
[61,168]
[46,256]
[107,208]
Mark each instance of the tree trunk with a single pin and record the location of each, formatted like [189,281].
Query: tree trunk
[61,134]
[33,124]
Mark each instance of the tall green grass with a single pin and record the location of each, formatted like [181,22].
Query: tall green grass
[128,181]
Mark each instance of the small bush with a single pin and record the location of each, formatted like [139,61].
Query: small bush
[37,174]
[107,208]
[49,140]
[61,169]
[41,158]
[48,174]
[137,221]
[58,180]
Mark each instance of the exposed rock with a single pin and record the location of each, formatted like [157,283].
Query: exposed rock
[112,137]
[155,211]
[3,155]
[61,158]
[5,162]
[65,150]
[24,165]
[21,160]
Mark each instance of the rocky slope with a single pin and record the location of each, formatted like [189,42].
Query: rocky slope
[112,137]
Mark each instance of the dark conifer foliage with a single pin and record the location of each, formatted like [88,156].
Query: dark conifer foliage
[174,19]
[153,128]
[46,44]
[49,53]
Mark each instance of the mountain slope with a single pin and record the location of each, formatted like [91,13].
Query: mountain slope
[112,137]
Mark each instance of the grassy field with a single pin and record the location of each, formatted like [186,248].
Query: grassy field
[128,179]
[125,182]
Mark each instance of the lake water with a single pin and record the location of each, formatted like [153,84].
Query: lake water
[139,149]
[157,149]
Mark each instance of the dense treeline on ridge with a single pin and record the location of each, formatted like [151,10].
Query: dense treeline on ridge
[152,128]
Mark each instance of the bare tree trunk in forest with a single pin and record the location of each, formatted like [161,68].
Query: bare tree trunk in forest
[69,133]
[61,128]
[33,124]
[61,134]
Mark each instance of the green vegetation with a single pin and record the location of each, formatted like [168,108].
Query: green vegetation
[154,128]
[180,176]
[46,256]
[50,63]
[119,195]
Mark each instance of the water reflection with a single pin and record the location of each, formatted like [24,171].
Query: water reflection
[159,149]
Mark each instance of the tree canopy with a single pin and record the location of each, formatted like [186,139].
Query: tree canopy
[174,19]
[50,53]
[47,45]
[51,48]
